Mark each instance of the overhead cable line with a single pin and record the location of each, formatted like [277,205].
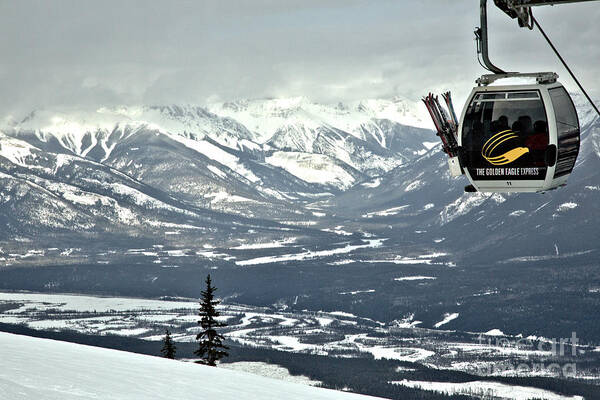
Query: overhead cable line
[535,21]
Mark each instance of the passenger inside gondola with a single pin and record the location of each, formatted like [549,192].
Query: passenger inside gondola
[539,139]
[502,123]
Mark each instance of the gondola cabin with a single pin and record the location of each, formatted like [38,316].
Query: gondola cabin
[518,138]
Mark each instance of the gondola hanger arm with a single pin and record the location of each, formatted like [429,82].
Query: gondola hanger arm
[519,9]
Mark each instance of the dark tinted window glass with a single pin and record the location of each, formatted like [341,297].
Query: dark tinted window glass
[567,126]
[506,139]
[524,95]
[566,116]
[491,96]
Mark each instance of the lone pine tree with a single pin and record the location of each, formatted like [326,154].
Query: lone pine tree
[211,348]
[169,348]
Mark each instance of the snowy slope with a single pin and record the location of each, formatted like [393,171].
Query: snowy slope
[32,368]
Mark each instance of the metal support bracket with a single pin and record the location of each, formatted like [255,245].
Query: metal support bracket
[540,77]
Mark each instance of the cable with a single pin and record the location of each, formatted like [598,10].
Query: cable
[564,63]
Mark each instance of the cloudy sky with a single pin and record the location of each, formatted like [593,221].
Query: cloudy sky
[92,53]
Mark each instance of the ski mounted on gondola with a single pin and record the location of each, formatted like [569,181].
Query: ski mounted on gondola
[446,124]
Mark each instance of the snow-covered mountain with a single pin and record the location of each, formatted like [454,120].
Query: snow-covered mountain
[33,368]
[138,171]
[267,116]
[364,140]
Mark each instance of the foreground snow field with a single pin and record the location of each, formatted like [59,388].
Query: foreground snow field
[33,368]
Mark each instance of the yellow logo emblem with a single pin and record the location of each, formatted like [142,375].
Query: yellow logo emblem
[506,158]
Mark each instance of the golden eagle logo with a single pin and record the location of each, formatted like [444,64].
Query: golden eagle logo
[507,157]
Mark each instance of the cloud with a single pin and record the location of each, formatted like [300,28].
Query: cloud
[72,53]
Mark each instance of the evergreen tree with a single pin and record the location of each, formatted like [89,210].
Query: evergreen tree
[169,348]
[211,348]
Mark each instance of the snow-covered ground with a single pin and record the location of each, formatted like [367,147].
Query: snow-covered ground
[415,278]
[307,255]
[265,245]
[270,371]
[447,318]
[33,368]
[385,213]
[77,303]
[313,168]
[491,389]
